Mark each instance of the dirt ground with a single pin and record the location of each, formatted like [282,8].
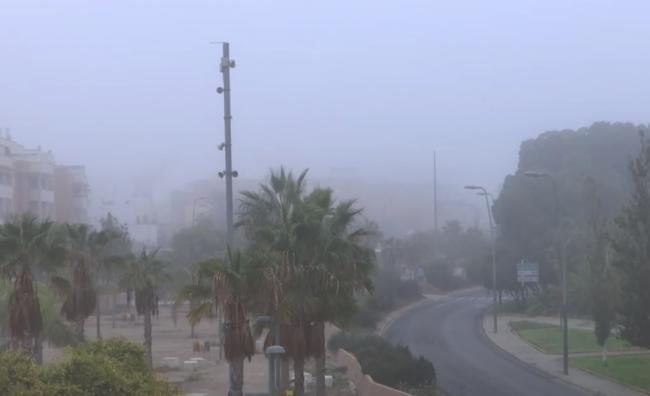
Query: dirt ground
[175,341]
[171,340]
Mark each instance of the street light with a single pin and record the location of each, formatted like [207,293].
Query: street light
[562,252]
[483,191]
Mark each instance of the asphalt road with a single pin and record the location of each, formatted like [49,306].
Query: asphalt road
[449,333]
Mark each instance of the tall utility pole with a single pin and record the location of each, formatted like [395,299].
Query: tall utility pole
[225,66]
[483,192]
[435,196]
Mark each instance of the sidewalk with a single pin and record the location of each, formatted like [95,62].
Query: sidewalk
[510,342]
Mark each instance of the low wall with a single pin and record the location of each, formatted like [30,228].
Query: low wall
[366,386]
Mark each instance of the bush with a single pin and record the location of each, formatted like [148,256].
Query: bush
[19,375]
[390,291]
[546,303]
[441,275]
[388,364]
[112,368]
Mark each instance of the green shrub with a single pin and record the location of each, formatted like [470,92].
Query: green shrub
[21,376]
[111,368]
[391,365]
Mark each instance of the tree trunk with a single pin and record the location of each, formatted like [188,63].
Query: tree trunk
[320,375]
[113,309]
[147,336]
[298,376]
[38,349]
[98,316]
[79,328]
[604,352]
[236,377]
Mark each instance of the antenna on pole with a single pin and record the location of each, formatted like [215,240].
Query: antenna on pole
[224,67]
[435,204]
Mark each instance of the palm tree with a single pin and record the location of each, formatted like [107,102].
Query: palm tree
[232,279]
[200,292]
[26,245]
[274,220]
[342,266]
[87,258]
[315,262]
[144,275]
[115,252]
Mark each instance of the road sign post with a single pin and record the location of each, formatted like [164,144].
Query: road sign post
[527,272]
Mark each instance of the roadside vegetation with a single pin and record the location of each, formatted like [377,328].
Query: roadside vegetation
[111,368]
[631,370]
[548,338]
[388,364]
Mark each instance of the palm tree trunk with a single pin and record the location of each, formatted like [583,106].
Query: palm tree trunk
[320,357]
[147,336]
[98,316]
[299,376]
[38,349]
[236,376]
[320,375]
[79,328]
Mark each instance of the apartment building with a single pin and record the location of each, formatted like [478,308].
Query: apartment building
[31,182]
[71,194]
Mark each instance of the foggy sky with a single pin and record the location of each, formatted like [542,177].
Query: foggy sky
[361,88]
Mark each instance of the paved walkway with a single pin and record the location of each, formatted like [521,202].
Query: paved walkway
[510,342]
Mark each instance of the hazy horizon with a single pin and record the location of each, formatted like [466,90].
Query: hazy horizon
[366,89]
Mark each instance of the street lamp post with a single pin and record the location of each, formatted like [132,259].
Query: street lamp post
[484,192]
[562,253]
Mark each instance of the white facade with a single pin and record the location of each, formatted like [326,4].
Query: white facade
[28,182]
[143,223]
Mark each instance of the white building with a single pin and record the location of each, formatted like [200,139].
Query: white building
[142,223]
[31,182]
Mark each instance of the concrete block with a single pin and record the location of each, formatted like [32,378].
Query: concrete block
[190,365]
[171,362]
[259,346]
[201,362]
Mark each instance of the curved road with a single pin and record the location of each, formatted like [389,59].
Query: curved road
[449,333]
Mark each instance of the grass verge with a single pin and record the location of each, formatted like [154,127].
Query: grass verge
[548,338]
[629,370]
